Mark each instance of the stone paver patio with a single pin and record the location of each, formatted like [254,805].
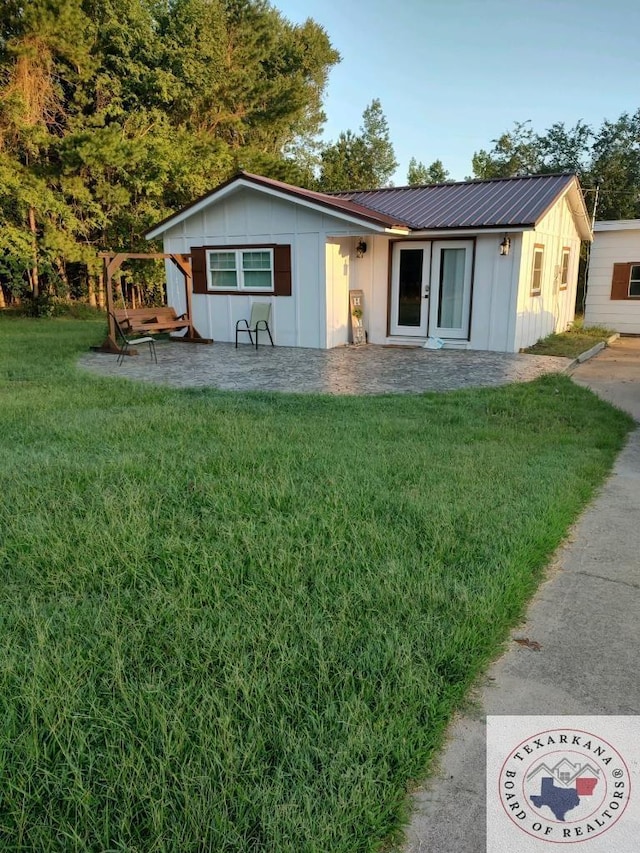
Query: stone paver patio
[346,370]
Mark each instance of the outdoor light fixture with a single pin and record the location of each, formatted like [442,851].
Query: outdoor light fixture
[505,245]
[361,248]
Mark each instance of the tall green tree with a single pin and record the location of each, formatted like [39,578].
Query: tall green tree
[419,174]
[360,161]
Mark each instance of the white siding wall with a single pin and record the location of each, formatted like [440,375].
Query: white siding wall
[609,248]
[493,292]
[554,309]
[247,218]
[338,264]
[371,275]
[492,299]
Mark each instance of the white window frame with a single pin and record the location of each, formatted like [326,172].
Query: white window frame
[239,251]
[538,249]
[633,281]
[564,281]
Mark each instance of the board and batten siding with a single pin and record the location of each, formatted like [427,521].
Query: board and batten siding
[338,262]
[553,309]
[614,243]
[494,287]
[249,218]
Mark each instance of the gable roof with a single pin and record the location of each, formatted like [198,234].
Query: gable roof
[500,203]
[336,206]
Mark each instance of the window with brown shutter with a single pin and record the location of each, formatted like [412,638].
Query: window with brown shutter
[225,270]
[625,281]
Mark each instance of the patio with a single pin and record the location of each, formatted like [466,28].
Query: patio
[344,370]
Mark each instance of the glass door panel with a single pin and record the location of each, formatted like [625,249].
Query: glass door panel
[451,290]
[410,289]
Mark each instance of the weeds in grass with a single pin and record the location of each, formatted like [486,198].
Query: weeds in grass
[240,622]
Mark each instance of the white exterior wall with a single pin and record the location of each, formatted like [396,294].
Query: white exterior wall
[554,309]
[493,294]
[370,274]
[492,300]
[338,254]
[250,218]
[612,247]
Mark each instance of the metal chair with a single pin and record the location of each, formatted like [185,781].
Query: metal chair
[132,342]
[258,321]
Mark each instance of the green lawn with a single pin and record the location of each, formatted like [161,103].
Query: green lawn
[240,622]
[574,342]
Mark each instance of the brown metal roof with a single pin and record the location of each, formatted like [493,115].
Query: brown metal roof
[499,203]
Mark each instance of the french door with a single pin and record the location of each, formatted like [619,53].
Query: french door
[451,289]
[410,289]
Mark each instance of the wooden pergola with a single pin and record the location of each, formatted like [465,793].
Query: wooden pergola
[112,263]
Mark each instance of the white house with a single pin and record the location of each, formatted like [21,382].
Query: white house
[487,265]
[613,283]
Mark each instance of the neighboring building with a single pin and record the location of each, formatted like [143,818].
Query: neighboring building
[613,282]
[486,265]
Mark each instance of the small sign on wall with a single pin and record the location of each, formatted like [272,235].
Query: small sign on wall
[356,301]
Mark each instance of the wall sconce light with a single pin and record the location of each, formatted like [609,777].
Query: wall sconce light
[505,245]
[361,248]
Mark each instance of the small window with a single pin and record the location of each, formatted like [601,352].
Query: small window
[536,274]
[222,270]
[564,268]
[240,269]
[634,281]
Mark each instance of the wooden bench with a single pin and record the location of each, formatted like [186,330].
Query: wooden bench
[151,320]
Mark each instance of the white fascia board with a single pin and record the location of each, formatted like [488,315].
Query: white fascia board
[471,232]
[618,225]
[241,183]
[583,220]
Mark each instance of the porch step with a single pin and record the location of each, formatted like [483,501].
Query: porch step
[399,341]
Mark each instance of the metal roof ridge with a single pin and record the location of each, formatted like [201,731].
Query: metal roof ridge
[468,181]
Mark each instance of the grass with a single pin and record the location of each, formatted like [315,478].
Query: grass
[571,344]
[240,622]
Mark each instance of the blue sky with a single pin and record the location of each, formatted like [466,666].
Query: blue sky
[452,76]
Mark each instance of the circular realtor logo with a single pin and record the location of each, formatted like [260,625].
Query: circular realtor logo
[564,785]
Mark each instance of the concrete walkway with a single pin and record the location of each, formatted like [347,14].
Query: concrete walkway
[586,619]
[344,370]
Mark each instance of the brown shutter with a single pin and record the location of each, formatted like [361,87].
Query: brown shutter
[620,281]
[282,270]
[199,269]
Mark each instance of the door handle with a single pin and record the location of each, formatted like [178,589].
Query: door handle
[426,292]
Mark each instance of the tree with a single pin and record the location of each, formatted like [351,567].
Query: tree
[377,140]
[115,112]
[419,174]
[360,161]
[615,165]
[515,153]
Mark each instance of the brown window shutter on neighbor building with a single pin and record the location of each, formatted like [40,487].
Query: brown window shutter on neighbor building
[282,270]
[199,269]
[620,281]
